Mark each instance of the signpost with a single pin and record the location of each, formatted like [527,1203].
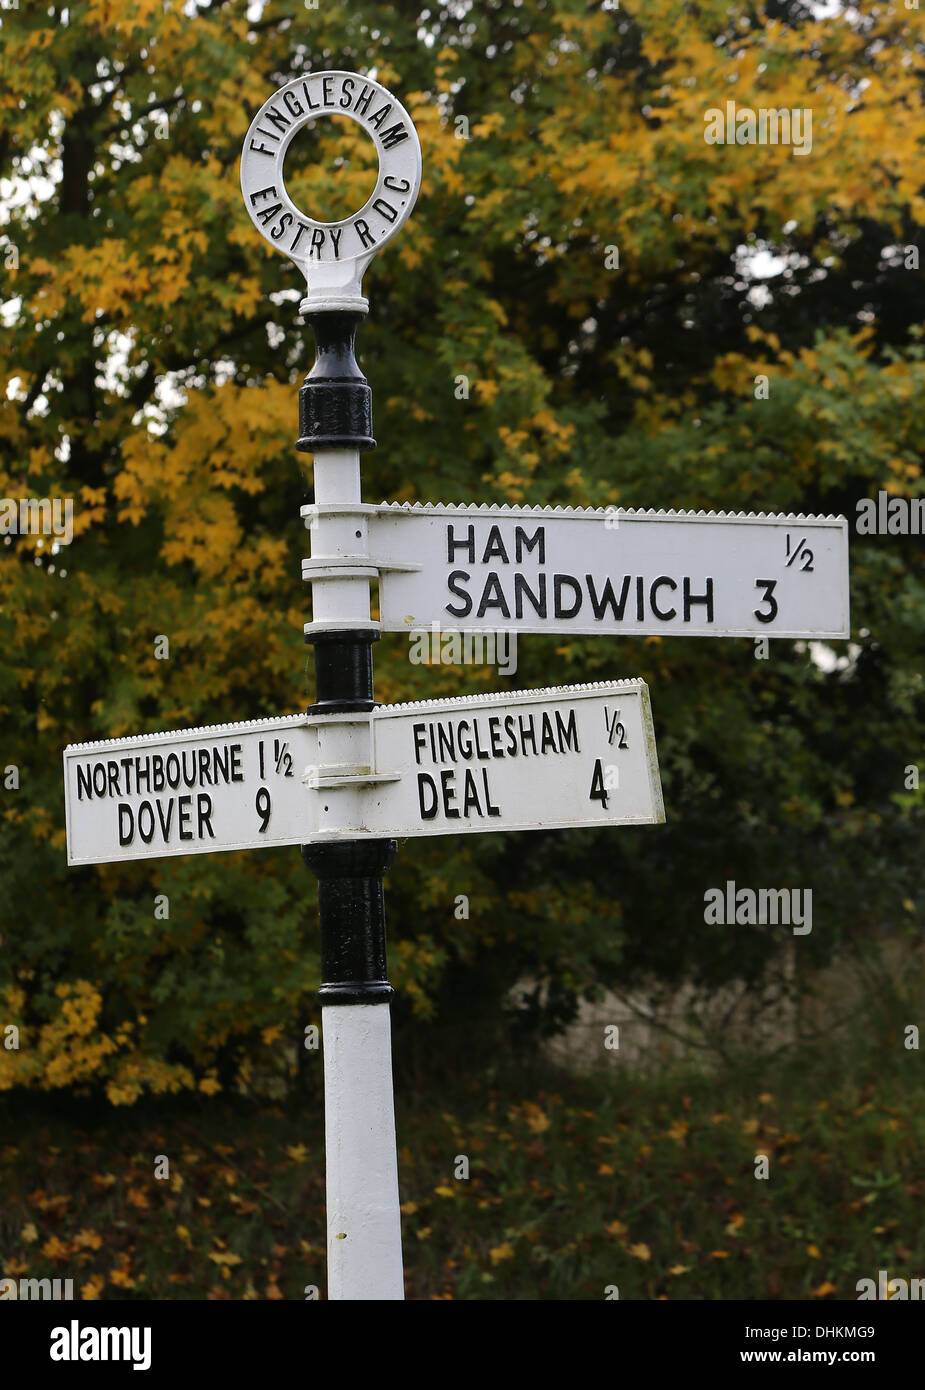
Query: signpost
[578,570]
[541,759]
[348,777]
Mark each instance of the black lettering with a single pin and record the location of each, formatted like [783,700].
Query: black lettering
[380,115]
[236,774]
[492,810]
[494,548]
[99,782]
[480,751]
[362,102]
[690,599]
[568,733]
[396,185]
[312,105]
[317,240]
[548,742]
[189,777]
[493,585]
[385,210]
[335,233]
[449,794]
[205,776]
[277,118]
[326,91]
[471,796]
[511,736]
[608,598]
[426,782]
[495,732]
[268,192]
[769,585]
[558,583]
[598,791]
[204,813]
[538,600]
[184,806]
[445,744]
[261,149]
[363,232]
[84,783]
[463,744]
[126,832]
[303,227]
[165,824]
[347,86]
[112,773]
[529,732]
[452,585]
[523,544]
[417,731]
[220,766]
[159,771]
[267,214]
[393,136]
[284,224]
[640,606]
[452,545]
[292,104]
[653,604]
[146,807]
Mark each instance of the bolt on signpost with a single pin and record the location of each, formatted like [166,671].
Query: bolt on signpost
[348,777]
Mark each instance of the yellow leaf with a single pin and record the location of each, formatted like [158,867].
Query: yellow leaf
[615,1228]
[222,1257]
[537,1120]
[640,1251]
[444,1192]
[297,1152]
[813,1250]
[823,1289]
[88,1240]
[679,1269]
[501,1252]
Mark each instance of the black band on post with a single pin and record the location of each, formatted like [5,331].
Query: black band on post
[335,402]
[343,671]
[352,909]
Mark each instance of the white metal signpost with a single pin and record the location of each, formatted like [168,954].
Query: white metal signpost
[347,777]
[542,759]
[578,570]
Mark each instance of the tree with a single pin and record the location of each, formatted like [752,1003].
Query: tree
[150,366]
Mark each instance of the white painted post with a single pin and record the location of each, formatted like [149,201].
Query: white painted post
[364,1222]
